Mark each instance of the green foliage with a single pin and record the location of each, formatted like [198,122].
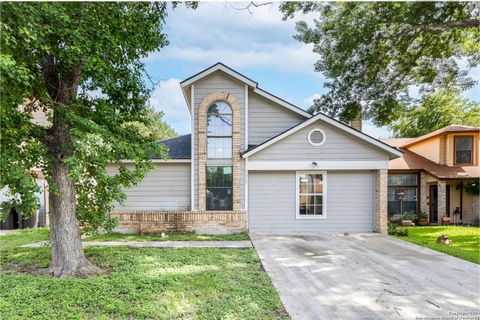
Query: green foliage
[436,110]
[141,283]
[412,216]
[372,52]
[465,240]
[422,215]
[394,231]
[80,63]
[473,187]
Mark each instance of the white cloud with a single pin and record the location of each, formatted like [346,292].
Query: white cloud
[219,32]
[308,102]
[168,97]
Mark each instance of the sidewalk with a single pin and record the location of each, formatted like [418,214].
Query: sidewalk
[159,244]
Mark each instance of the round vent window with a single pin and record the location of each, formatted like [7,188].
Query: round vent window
[316,137]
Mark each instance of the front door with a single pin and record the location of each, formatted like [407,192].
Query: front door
[433,204]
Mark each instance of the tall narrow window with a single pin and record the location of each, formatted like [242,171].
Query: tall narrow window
[311,195]
[463,149]
[219,188]
[219,131]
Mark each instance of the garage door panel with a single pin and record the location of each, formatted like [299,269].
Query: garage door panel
[349,201]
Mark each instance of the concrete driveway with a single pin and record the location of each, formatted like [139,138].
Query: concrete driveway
[367,276]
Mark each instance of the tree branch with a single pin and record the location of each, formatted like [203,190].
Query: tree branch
[251,5]
[464,24]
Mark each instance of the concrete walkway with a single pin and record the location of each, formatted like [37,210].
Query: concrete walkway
[368,276]
[160,244]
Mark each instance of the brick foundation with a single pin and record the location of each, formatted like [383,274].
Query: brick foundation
[145,222]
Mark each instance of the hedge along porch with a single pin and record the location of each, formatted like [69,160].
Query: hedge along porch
[239,168]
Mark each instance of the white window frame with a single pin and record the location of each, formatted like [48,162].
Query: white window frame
[298,216]
[316,144]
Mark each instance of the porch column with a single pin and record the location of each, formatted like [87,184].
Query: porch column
[381,201]
[442,199]
[423,192]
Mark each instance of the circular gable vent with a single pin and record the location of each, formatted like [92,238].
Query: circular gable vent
[316,137]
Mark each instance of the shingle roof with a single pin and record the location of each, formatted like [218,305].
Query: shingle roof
[179,147]
[413,161]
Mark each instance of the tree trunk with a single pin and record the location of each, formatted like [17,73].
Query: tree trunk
[68,258]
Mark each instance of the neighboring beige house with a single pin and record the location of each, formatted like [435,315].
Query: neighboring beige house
[256,162]
[432,174]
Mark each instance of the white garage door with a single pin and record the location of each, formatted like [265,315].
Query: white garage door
[350,203]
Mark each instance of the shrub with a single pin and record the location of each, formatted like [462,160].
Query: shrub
[422,215]
[410,216]
[394,231]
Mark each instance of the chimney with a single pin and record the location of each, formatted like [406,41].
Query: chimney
[356,124]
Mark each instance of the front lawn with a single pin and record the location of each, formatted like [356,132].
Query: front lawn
[139,283]
[465,240]
[168,237]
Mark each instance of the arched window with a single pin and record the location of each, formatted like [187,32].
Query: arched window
[219,131]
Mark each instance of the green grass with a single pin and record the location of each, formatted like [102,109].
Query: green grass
[465,240]
[141,283]
[171,237]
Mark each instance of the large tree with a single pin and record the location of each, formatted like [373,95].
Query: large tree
[373,52]
[436,110]
[81,64]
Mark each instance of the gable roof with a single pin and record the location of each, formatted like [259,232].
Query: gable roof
[178,147]
[447,129]
[242,78]
[413,161]
[394,152]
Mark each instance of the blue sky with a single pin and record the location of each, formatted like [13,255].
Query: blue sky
[258,44]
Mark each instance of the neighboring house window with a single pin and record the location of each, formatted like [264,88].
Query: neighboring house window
[463,149]
[402,193]
[311,195]
[219,188]
[219,131]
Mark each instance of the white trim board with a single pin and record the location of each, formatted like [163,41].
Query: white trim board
[161,161]
[216,67]
[320,165]
[281,102]
[396,153]
[192,150]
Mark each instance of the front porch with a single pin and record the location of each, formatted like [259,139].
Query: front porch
[418,191]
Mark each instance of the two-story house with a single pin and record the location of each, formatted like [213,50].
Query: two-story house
[256,162]
[432,174]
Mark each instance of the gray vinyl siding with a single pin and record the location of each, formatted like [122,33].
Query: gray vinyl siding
[219,82]
[339,145]
[266,119]
[349,198]
[167,187]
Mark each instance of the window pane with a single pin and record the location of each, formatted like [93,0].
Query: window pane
[310,194]
[219,148]
[401,200]
[463,156]
[463,143]
[219,198]
[219,125]
[220,107]
[402,179]
[219,188]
